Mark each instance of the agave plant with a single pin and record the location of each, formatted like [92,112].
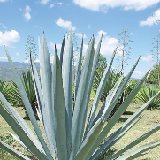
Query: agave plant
[28,83]
[11,92]
[73,132]
[146,93]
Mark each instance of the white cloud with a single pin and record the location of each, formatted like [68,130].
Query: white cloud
[109,43]
[52,45]
[37,60]
[103,5]
[80,35]
[44,2]
[151,20]
[101,32]
[65,24]
[147,59]
[50,3]
[146,63]
[3,59]
[137,74]
[9,37]
[27,13]
[55,4]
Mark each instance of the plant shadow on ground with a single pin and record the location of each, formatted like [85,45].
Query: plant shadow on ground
[125,116]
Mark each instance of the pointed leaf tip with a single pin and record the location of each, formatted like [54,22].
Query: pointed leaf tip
[55,47]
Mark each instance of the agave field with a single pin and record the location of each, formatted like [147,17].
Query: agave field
[71,118]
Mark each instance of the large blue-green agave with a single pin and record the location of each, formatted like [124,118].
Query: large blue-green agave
[72,130]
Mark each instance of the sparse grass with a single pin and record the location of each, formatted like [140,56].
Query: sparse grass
[5,135]
[9,140]
[150,119]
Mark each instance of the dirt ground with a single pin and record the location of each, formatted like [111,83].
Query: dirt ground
[149,119]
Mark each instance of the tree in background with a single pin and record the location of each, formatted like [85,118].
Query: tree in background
[114,75]
[27,75]
[153,82]
[154,76]
[155,73]
[30,47]
[101,65]
[124,48]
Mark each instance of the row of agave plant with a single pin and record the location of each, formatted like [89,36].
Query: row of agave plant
[147,91]
[11,92]
[70,130]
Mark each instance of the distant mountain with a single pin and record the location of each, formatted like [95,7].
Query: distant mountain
[6,69]
[17,64]
[7,74]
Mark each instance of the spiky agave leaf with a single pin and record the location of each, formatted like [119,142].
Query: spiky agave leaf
[47,114]
[59,113]
[99,92]
[29,109]
[78,70]
[130,122]
[137,152]
[67,85]
[12,151]
[81,99]
[69,134]
[135,142]
[92,76]
[18,127]
[114,119]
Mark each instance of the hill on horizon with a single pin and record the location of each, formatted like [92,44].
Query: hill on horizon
[6,69]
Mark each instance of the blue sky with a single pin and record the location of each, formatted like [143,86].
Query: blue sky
[18,19]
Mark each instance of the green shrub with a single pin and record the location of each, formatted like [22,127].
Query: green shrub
[7,139]
[113,77]
[11,93]
[74,134]
[146,93]
[154,75]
